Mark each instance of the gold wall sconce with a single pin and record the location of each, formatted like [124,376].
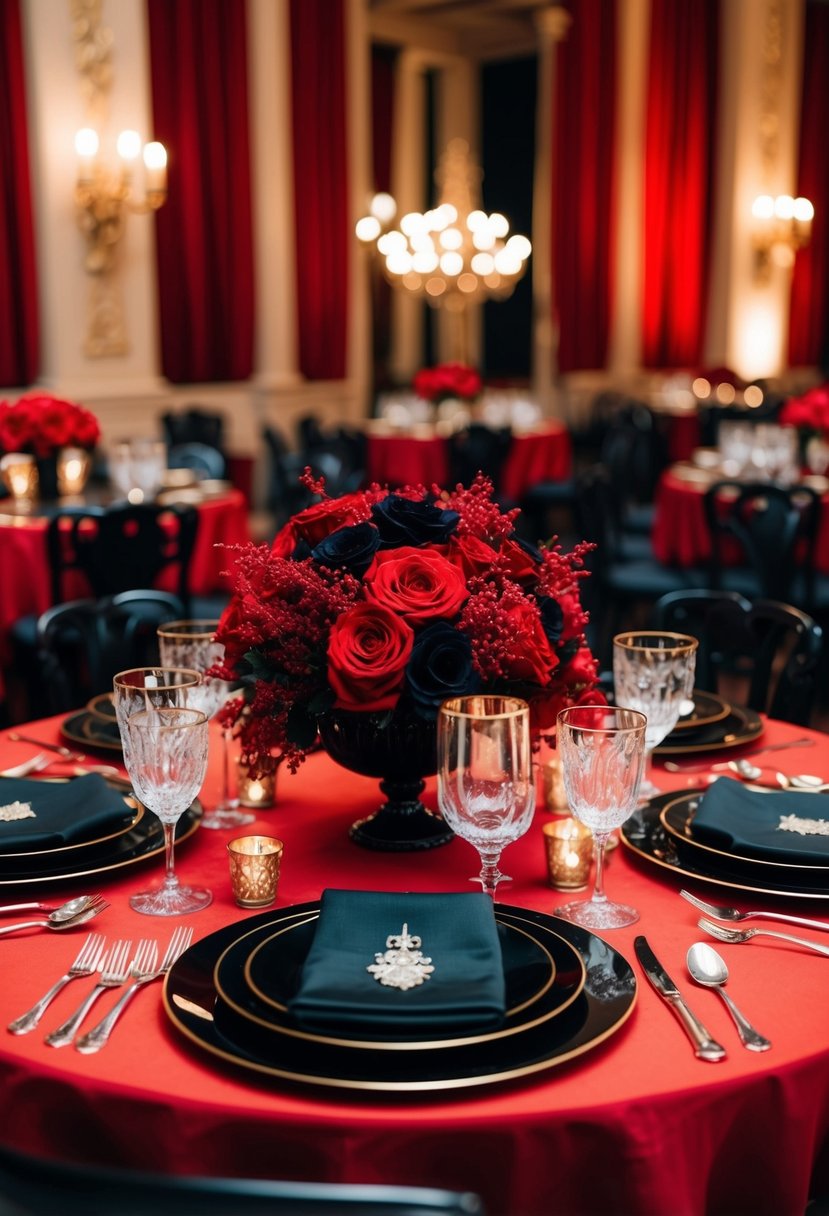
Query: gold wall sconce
[103,198]
[780,226]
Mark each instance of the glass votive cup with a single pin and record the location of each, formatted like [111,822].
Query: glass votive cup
[254,792]
[18,471]
[552,786]
[569,848]
[74,466]
[254,869]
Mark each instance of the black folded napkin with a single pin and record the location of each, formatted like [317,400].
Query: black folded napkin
[740,820]
[64,812]
[465,992]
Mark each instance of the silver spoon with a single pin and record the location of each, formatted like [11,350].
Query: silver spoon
[80,918]
[708,969]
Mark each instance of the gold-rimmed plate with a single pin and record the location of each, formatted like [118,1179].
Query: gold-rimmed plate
[601,1009]
[543,973]
[144,840]
[92,731]
[708,709]
[644,835]
[133,814]
[739,726]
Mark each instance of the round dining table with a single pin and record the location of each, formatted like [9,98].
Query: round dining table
[636,1125]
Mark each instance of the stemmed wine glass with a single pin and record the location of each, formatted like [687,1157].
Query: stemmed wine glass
[654,673]
[166,759]
[192,644]
[486,790]
[602,753]
[147,687]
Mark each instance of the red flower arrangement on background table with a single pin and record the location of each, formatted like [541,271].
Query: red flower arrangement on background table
[809,412]
[383,603]
[41,424]
[447,381]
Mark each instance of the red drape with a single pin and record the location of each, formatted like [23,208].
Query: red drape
[583,184]
[324,231]
[19,332]
[809,315]
[678,186]
[198,57]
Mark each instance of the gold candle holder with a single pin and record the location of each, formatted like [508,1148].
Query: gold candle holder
[73,467]
[569,846]
[552,786]
[254,869]
[255,792]
[19,473]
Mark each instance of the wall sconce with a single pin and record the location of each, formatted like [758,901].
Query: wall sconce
[781,226]
[104,198]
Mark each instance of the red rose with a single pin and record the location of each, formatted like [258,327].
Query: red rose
[473,555]
[368,650]
[17,431]
[320,520]
[418,584]
[582,668]
[530,655]
[519,563]
[285,540]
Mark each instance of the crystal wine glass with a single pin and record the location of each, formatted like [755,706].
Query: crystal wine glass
[654,673]
[486,789]
[148,687]
[167,761]
[193,644]
[602,753]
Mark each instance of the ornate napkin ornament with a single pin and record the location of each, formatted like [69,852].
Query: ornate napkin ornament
[16,810]
[803,827]
[403,964]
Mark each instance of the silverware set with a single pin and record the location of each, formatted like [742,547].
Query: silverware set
[115,965]
[68,916]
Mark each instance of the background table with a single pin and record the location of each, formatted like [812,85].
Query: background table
[638,1125]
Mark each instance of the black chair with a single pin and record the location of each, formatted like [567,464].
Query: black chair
[194,425]
[207,462]
[80,645]
[634,453]
[329,458]
[626,578]
[34,1187]
[478,448]
[775,528]
[763,654]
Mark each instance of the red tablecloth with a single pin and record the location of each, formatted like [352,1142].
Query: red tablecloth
[543,454]
[25,587]
[680,533]
[637,1126]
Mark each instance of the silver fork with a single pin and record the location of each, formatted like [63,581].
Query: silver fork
[115,970]
[94,1039]
[719,912]
[87,963]
[745,935]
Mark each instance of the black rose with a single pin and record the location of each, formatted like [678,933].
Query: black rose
[528,547]
[440,666]
[351,548]
[402,521]
[552,618]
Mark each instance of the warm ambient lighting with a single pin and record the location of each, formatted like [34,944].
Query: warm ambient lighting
[453,254]
[781,226]
[103,198]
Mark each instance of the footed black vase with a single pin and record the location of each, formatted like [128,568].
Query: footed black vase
[402,750]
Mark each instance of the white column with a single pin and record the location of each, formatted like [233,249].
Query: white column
[56,110]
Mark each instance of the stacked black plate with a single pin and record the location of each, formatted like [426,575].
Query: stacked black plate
[712,725]
[567,991]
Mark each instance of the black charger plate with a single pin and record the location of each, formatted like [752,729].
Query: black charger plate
[192,1003]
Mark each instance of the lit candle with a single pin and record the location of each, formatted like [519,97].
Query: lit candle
[256,791]
[155,162]
[569,846]
[86,147]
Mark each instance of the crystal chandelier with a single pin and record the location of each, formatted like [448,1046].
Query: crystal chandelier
[454,254]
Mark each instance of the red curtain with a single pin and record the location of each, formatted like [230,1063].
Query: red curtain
[679,179]
[198,60]
[19,332]
[809,315]
[584,183]
[324,229]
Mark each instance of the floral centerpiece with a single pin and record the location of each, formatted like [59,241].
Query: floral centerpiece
[809,413]
[378,606]
[42,424]
[447,381]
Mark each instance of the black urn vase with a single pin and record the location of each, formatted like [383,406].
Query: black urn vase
[401,750]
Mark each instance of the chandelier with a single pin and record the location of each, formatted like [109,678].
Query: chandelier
[454,254]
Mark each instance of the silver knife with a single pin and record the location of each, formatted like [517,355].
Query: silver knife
[705,1047]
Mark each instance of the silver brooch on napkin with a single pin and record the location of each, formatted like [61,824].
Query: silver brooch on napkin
[16,810]
[403,964]
[803,827]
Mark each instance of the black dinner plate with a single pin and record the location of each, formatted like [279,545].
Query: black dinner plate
[259,974]
[145,839]
[191,1002]
[91,731]
[645,836]
[739,726]
[708,709]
